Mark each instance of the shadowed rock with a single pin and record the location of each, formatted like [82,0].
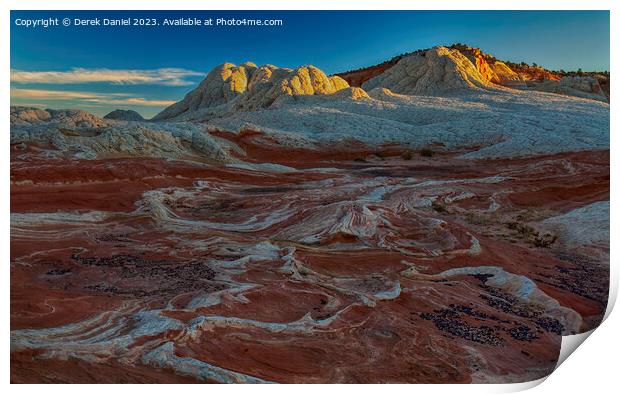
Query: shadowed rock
[120,114]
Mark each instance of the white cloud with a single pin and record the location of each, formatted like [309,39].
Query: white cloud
[85,97]
[161,76]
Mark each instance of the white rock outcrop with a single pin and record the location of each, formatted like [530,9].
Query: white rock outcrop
[584,230]
[585,87]
[433,97]
[505,123]
[266,88]
[82,135]
[221,85]
[70,118]
[434,72]
[247,87]
[505,76]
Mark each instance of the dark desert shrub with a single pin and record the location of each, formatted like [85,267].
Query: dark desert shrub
[438,207]
[427,152]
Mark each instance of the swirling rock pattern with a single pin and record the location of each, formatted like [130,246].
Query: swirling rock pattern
[302,265]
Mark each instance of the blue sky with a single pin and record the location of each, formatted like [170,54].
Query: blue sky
[145,68]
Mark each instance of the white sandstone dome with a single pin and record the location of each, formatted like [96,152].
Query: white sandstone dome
[433,72]
[248,87]
[224,83]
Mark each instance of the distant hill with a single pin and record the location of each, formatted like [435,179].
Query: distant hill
[120,114]
[593,85]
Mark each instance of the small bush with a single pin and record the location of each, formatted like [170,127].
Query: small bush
[482,219]
[545,240]
[381,155]
[527,231]
[427,152]
[529,234]
[523,230]
[512,225]
[438,207]
[406,155]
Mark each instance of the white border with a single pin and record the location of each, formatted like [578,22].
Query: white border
[591,369]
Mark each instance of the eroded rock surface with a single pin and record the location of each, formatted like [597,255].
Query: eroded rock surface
[433,72]
[248,87]
[79,134]
[586,87]
[430,227]
[592,85]
[355,264]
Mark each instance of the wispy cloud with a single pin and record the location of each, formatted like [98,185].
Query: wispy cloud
[160,76]
[87,97]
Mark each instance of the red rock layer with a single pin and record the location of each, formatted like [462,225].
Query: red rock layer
[357,77]
[356,267]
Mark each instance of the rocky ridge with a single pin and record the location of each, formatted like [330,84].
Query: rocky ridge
[433,72]
[83,135]
[127,115]
[437,97]
[513,75]
[247,87]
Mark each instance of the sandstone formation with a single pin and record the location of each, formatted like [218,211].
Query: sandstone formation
[248,87]
[127,115]
[605,82]
[128,269]
[221,85]
[533,73]
[533,77]
[512,75]
[480,60]
[586,87]
[68,117]
[483,124]
[492,69]
[78,134]
[584,230]
[497,71]
[304,107]
[353,93]
[505,76]
[283,226]
[357,77]
[436,71]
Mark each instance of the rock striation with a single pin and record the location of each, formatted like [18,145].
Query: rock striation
[281,222]
[154,269]
[524,76]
